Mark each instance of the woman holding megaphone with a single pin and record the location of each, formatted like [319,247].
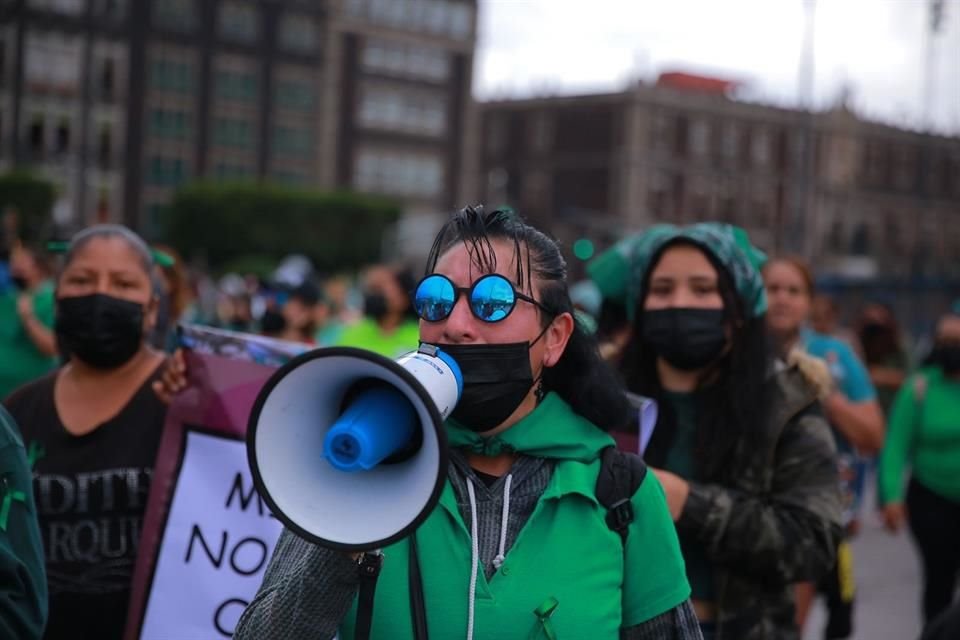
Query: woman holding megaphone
[519,544]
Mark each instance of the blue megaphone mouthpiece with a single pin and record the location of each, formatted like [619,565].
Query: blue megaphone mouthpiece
[380,421]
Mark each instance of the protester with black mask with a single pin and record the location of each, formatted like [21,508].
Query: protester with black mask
[27,346]
[389,326]
[92,430]
[740,445]
[518,546]
[924,435]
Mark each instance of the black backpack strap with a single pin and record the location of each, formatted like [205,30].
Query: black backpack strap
[418,610]
[369,569]
[621,474]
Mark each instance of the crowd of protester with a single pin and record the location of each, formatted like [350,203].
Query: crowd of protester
[774,413]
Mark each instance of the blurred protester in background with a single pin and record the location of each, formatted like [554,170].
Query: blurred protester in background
[299,313]
[23,580]
[177,298]
[389,325]
[28,347]
[882,346]
[233,304]
[93,428]
[753,492]
[851,409]
[824,318]
[924,436]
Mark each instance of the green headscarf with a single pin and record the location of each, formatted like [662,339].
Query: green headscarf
[621,271]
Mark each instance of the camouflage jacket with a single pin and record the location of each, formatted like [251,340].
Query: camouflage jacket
[776,521]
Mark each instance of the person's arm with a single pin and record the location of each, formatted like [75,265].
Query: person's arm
[854,409]
[896,450]
[306,592]
[887,377]
[680,623]
[861,423]
[787,535]
[40,335]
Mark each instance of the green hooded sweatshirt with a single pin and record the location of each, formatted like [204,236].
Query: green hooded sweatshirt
[567,575]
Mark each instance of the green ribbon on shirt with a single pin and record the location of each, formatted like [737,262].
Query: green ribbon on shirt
[543,613]
[9,495]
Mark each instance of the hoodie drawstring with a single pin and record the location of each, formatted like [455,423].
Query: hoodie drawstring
[475,548]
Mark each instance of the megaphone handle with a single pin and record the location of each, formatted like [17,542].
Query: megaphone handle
[369,568]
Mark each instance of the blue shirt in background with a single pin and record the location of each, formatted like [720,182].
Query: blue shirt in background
[853,381]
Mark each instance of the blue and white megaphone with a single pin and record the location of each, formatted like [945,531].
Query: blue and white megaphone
[347,447]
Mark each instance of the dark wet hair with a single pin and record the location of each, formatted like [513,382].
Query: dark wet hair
[102,231]
[580,376]
[729,413]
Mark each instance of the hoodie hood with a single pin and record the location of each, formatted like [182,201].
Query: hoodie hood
[552,430]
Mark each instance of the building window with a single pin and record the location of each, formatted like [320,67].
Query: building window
[398,173]
[236,85]
[169,124]
[298,33]
[178,15]
[730,142]
[3,63]
[292,141]
[62,138]
[36,138]
[168,75]
[105,147]
[237,21]
[70,7]
[450,18]
[700,138]
[111,10]
[403,110]
[406,61]
[760,148]
[166,172]
[233,132]
[107,80]
[295,95]
[290,178]
[226,171]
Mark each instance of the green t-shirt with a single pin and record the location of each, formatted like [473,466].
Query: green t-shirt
[367,334]
[565,551]
[23,582]
[924,434]
[681,461]
[20,360]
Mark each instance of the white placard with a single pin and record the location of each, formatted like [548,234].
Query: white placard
[216,545]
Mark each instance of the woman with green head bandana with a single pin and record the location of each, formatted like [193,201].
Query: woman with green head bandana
[740,447]
[519,545]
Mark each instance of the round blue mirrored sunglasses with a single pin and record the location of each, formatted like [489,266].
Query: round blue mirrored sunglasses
[492,298]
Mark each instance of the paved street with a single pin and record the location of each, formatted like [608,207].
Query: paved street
[888,587]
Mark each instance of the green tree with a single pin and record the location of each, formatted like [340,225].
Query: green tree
[227,223]
[32,197]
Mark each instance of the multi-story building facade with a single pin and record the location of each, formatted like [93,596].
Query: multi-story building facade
[858,196]
[121,102]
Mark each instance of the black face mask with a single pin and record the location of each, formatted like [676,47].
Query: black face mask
[689,339]
[948,357]
[102,331]
[496,379]
[19,282]
[374,305]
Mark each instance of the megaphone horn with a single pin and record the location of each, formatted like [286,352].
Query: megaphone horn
[347,447]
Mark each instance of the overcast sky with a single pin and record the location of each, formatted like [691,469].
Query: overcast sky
[877,47]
